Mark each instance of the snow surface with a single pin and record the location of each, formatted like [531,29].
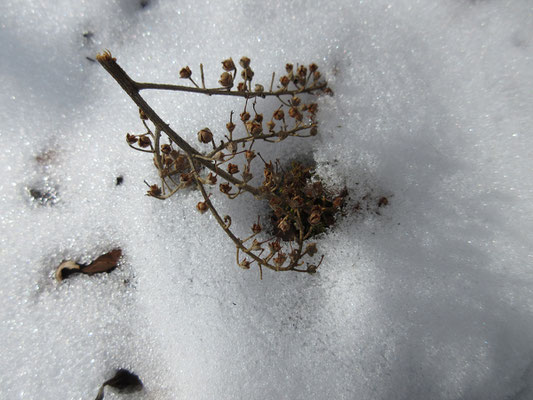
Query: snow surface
[432,299]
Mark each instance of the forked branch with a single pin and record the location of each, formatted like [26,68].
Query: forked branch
[300,207]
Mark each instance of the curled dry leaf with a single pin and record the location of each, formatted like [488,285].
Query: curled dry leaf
[65,269]
[124,381]
[105,263]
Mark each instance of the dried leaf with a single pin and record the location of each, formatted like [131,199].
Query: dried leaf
[124,381]
[104,263]
[65,269]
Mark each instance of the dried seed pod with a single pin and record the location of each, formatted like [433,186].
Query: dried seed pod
[185,73]
[313,67]
[271,125]
[316,75]
[186,179]
[313,131]
[131,138]
[284,80]
[302,72]
[247,74]
[241,87]
[275,246]
[256,228]
[245,62]
[219,156]
[174,154]
[294,113]
[166,149]
[205,135]
[202,206]
[312,108]
[233,168]
[181,163]
[142,115]
[278,114]
[259,88]
[232,147]
[211,179]
[144,141]
[295,101]
[289,68]
[228,65]
[226,80]
[311,268]
[245,116]
[249,154]
[230,126]
[154,191]
[258,118]
[256,246]
[245,264]
[254,128]
[280,259]
[225,188]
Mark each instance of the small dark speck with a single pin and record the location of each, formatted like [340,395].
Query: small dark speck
[144,3]
[234,304]
[119,180]
[88,35]
[90,59]
[383,201]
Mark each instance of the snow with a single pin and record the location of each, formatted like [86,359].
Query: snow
[431,299]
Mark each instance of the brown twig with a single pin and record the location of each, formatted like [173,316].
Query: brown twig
[285,201]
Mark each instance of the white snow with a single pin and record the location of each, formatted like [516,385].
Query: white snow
[432,299]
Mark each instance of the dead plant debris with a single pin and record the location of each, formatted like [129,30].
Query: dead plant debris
[105,263]
[124,381]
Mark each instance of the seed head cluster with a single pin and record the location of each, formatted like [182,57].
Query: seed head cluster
[301,205]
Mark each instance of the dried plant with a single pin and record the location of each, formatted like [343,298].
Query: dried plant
[301,207]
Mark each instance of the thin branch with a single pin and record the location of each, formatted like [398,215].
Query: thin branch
[222,224]
[202,74]
[225,92]
[132,89]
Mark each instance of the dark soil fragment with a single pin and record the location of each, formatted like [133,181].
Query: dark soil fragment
[124,381]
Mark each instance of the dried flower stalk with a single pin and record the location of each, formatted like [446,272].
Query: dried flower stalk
[301,208]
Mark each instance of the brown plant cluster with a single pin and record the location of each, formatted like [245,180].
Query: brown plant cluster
[301,206]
